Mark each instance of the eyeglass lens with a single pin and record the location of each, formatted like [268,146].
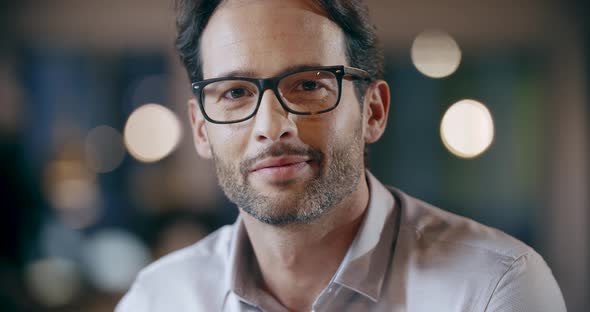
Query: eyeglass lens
[302,92]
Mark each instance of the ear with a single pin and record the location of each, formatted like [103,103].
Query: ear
[376,110]
[199,131]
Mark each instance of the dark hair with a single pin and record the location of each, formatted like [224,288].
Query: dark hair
[352,16]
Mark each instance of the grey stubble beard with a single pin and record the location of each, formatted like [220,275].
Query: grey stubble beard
[326,189]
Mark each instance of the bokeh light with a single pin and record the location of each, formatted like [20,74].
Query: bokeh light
[104,150]
[58,240]
[113,258]
[467,128]
[74,193]
[53,282]
[152,132]
[436,54]
[72,190]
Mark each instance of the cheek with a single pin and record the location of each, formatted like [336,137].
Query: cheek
[348,117]
[323,133]
[315,134]
[351,115]
[228,142]
[327,130]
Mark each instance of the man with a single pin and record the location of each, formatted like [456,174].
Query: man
[287,94]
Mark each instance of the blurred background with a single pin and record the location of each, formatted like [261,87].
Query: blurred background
[99,177]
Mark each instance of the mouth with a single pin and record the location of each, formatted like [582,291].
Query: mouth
[278,162]
[280,169]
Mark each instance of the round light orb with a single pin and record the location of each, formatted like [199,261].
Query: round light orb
[74,194]
[104,149]
[435,53]
[72,190]
[77,202]
[113,258]
[152,132]
[53,282]
[467,128]
[59,240]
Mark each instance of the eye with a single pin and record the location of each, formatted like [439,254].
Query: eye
[236,93]
[309,85]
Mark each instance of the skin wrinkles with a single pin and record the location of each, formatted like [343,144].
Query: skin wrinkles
[242,56]
[286,35]
[243,44]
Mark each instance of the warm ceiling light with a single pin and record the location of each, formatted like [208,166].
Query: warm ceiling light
[436,54]
[152,132]
[467,128]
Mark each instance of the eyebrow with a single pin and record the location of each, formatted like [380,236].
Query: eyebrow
[244,73]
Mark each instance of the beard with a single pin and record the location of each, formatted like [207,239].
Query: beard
[331,183]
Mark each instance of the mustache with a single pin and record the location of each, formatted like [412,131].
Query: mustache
[281,149]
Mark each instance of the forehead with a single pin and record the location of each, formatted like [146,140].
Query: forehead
[264,37]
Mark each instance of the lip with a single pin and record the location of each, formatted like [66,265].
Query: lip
[277,162]
[281,169]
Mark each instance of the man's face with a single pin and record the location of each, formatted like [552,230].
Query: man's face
[279,167]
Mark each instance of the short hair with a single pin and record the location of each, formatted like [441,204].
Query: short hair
[363,49]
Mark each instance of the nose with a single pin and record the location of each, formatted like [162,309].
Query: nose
[272,122]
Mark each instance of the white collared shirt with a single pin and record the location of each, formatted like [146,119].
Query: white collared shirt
[406,256]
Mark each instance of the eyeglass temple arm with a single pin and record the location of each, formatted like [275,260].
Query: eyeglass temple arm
[357,73]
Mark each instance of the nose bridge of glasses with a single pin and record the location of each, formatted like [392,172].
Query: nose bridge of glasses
[270,84]
[272,117]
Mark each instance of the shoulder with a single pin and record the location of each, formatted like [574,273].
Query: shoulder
[433,226]
[495,270]
[190,277]
[208,254]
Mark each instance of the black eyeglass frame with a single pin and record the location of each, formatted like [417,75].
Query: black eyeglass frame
[272,83]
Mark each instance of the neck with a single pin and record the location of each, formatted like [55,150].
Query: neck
[298,261]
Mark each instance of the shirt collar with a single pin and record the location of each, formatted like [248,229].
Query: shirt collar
[365,264]
[363,267]
[243,265]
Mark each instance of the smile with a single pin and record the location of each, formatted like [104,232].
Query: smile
[279,169]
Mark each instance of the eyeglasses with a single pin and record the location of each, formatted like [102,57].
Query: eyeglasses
[307,91]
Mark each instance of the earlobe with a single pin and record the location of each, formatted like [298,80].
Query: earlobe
[200,137]
[376,106]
